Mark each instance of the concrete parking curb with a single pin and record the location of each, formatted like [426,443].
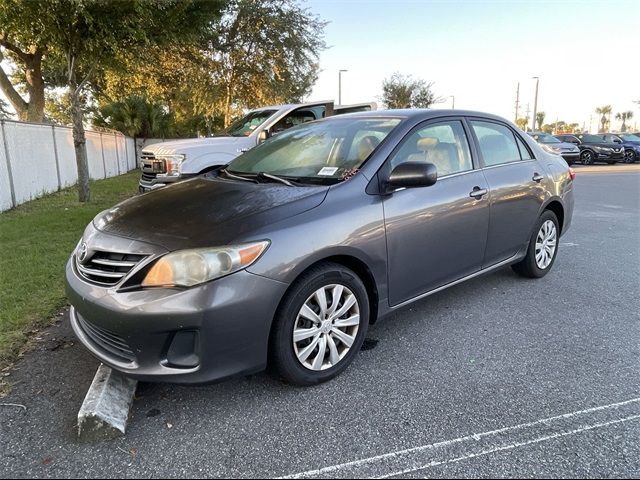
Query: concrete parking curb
[105,409]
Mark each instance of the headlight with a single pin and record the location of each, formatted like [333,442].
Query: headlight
[173,163]
[186,268]
[550,149]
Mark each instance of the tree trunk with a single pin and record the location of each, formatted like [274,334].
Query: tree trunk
[80,144]
[31,64]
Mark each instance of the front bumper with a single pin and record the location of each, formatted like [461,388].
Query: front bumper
[609,155]
[146,184]
[571,157]
[202,334]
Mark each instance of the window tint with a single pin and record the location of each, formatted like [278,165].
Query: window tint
[524,151]
[497,143]
[297,117]
[443,144]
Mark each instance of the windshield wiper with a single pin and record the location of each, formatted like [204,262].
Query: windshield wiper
[237,177]
[276,178]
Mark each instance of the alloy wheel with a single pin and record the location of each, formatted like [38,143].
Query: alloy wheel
[326,327]
[629,156]
[587,157]
[546,244]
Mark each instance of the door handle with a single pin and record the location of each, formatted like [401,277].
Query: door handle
[478,192]
[537,177]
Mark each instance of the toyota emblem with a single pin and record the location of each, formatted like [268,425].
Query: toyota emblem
[82,252]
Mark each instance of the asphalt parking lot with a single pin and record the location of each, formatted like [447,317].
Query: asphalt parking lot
[500,376]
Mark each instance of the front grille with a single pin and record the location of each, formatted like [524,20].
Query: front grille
[108,268]
[108,342]
[150,165]
[148,177]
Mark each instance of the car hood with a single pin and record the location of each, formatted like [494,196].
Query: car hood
[206,211]
[185,146]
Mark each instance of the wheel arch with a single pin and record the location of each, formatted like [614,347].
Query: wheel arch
[558,209]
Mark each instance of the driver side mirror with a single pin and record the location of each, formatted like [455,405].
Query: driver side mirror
[263,135]
[411,175]
[617,140]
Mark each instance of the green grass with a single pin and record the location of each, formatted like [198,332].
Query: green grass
[36,239]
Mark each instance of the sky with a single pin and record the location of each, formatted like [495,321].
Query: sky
[586,53]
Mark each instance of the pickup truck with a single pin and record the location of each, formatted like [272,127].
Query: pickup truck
[165,163]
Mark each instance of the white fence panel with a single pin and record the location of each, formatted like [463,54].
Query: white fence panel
[39,159]
[94,156]
[33,160]
[66,157]
[132,158]
[5,182]
[110,155]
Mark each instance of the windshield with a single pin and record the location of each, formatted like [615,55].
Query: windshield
[591,138]
[322,151]
[630,138]
[247,124]
[544,138]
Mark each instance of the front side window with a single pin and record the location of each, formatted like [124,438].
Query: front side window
[247,124]
[322,152]
[497,143]
[630,138]
[443,144]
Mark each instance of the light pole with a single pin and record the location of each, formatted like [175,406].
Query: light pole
[340,86]
[535,104]
[453,101]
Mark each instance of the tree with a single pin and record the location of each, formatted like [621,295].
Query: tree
[22,43]
[604,111]
[81,39]
[540,116]
[624,116]
[265,51]
[522,123]
[135,116]
[403,91]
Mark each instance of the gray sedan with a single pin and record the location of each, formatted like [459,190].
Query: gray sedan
[287,255]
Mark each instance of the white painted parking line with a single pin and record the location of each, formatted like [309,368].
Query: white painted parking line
[471,446]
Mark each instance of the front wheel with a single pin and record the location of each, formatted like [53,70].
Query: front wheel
[543,248]
[320,326]
[587,157]
[629,156]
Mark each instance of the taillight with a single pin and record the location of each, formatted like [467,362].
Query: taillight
[572,173]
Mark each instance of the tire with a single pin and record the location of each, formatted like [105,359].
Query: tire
[287,356]
[530,267]
[629,156]
[587,157]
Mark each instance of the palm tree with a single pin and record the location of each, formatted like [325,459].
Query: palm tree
[540,119]
[604,111]
[522,123]
[624,116]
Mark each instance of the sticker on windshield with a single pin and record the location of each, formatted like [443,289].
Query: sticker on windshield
[328,171]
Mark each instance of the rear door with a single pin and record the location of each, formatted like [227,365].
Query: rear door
[515,180]
[436,234]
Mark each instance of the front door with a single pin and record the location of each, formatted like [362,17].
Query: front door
[436,234]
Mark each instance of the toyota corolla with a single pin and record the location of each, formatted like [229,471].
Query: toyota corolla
[290,252]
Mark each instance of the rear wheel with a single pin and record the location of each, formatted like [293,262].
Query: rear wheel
[543,248]
[587,157]
[320,325]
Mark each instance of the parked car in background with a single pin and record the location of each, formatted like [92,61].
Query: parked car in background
[593,148]
[288,254]
[549,143]
[631,144]
[169,162]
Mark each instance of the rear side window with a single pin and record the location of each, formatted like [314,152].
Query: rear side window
[524,151]
[497,143]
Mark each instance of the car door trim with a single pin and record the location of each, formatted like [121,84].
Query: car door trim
[456,282]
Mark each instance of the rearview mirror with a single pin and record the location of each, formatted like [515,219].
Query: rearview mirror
[413,174]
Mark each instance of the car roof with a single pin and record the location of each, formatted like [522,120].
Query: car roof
[289,106]
[423,113]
